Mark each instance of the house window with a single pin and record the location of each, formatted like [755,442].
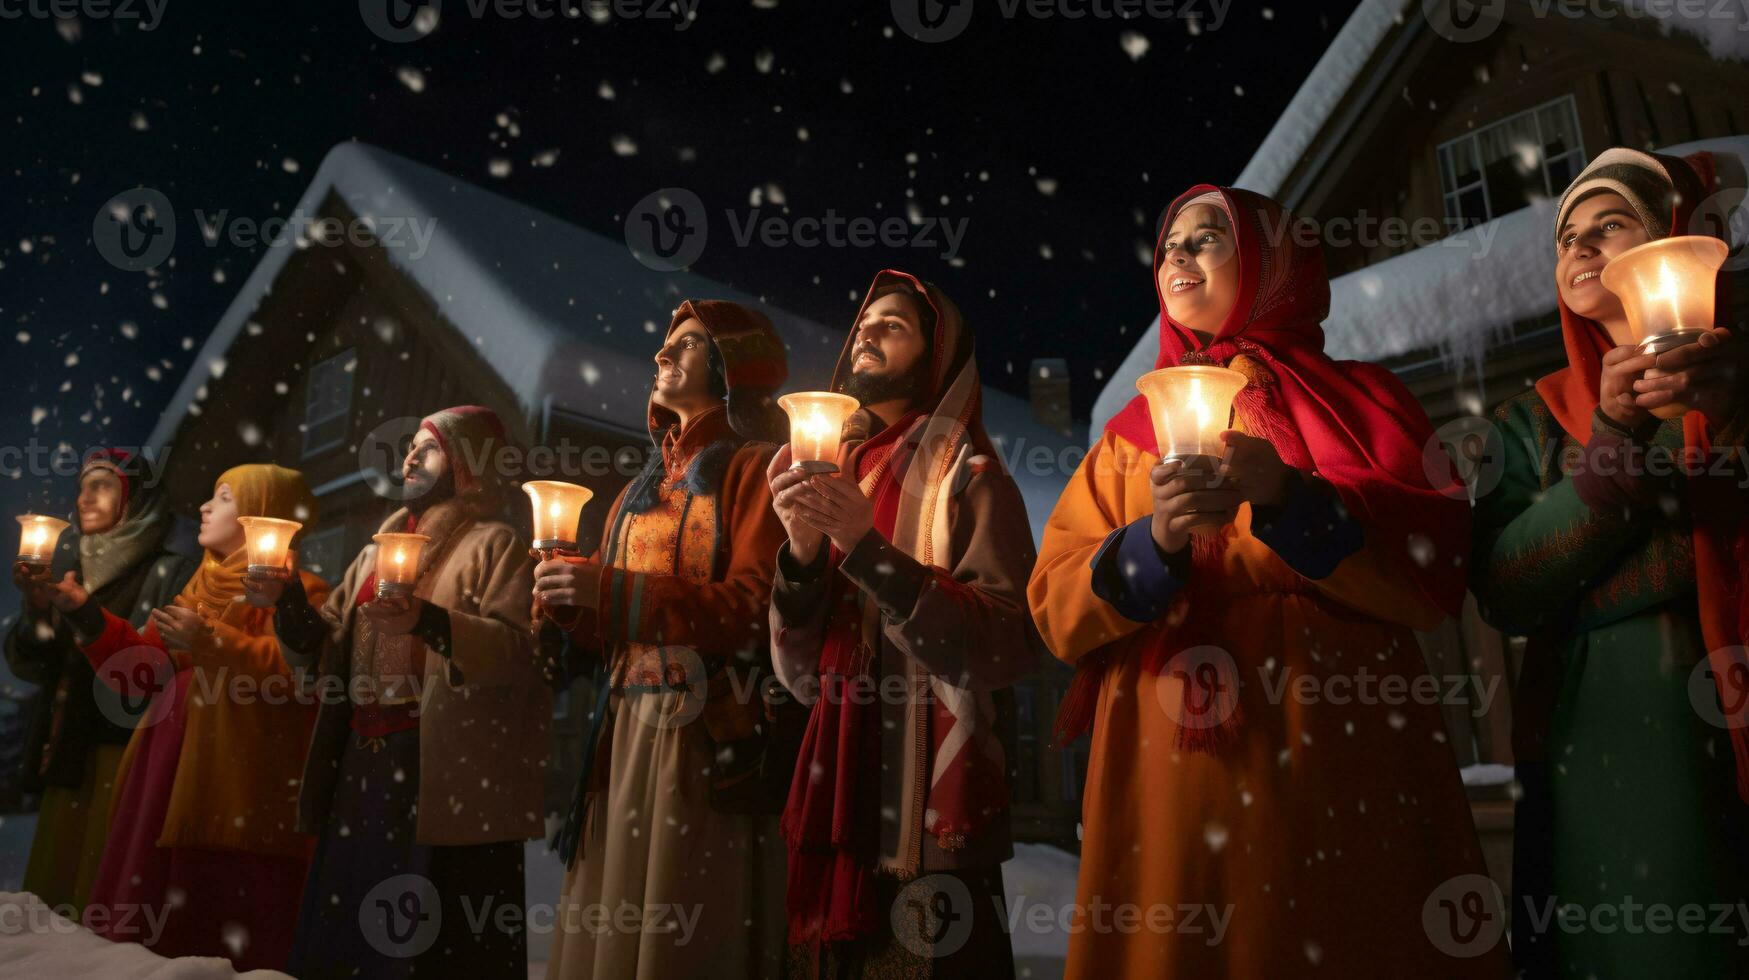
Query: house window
[1505,165]
[327,403]
[323,553]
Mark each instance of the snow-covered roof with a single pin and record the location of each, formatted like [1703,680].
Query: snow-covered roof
[566,317]
[1467,290]
[1318,96]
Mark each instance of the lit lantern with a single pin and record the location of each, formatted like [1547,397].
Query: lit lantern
[398,563]
[1667,288]
[267,540]
[558,509]
[1190,405]
[816,424]
[36,545]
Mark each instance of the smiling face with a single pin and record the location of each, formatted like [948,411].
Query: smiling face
[100,500]
[1599,228]
[1199,269]
[220,532]
[890,353]
[683,370]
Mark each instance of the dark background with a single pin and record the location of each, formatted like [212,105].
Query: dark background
[210,106]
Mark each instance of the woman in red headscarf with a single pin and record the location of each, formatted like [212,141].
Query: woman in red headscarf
[1270,791]
[1623,570]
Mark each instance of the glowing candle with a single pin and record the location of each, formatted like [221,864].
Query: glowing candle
[37,539]
[558,509]
[1667,289]
[816,426]
[267,540]
[398,563]
[1189,406]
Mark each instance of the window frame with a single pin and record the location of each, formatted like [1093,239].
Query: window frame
[1444,158]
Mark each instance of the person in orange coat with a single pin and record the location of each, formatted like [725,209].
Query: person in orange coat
[1264,796]
[203,858]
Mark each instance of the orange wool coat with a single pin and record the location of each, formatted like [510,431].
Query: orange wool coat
[242,755]
[1311,844]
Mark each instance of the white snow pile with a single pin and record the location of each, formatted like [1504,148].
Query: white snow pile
[1039,875]
[40,943]
[1722,27]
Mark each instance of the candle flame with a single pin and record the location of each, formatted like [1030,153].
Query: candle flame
[400,556]
[553,510]
[39,536]
[1200,406]
[269,543]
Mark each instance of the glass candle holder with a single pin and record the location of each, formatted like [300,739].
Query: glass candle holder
[38,536]
[1190,405]
[1667,289]
[558,509]
[398,563]
[816,427]
[268,541]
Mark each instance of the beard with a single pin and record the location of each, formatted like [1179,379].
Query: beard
[440,491]
[872,389]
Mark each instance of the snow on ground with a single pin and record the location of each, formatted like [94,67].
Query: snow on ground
[39,943]
[1037,875]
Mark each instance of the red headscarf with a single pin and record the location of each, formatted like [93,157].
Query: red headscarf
[1720,533]
[1352,424]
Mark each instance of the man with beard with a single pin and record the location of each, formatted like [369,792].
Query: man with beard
[424,779]
[127,559]
[899,612]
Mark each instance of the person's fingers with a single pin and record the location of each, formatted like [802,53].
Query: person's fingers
[1203,501]
[1687,354]
[559,597]
[786,478]
[1164,471]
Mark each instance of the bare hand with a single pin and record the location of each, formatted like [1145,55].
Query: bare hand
[560,583]
[1181,503]
[180,627]
[394,615]
[67,594]
[1622,366]
[1255,469]
[804,539]
[263,589]
[837,507]
[1702,375]
[34,582]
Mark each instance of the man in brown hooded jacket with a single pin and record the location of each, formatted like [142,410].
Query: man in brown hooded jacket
[899,612]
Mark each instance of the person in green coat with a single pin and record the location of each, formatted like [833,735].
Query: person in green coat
[1629,855]
[131,558]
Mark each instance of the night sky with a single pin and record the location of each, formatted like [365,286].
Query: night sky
[1055,141]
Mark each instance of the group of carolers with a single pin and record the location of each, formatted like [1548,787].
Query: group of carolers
[804,678]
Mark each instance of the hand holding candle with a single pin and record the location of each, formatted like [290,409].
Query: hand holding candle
[1667,289]
[557,509]
[816,427]
[38,536]
[397,567]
